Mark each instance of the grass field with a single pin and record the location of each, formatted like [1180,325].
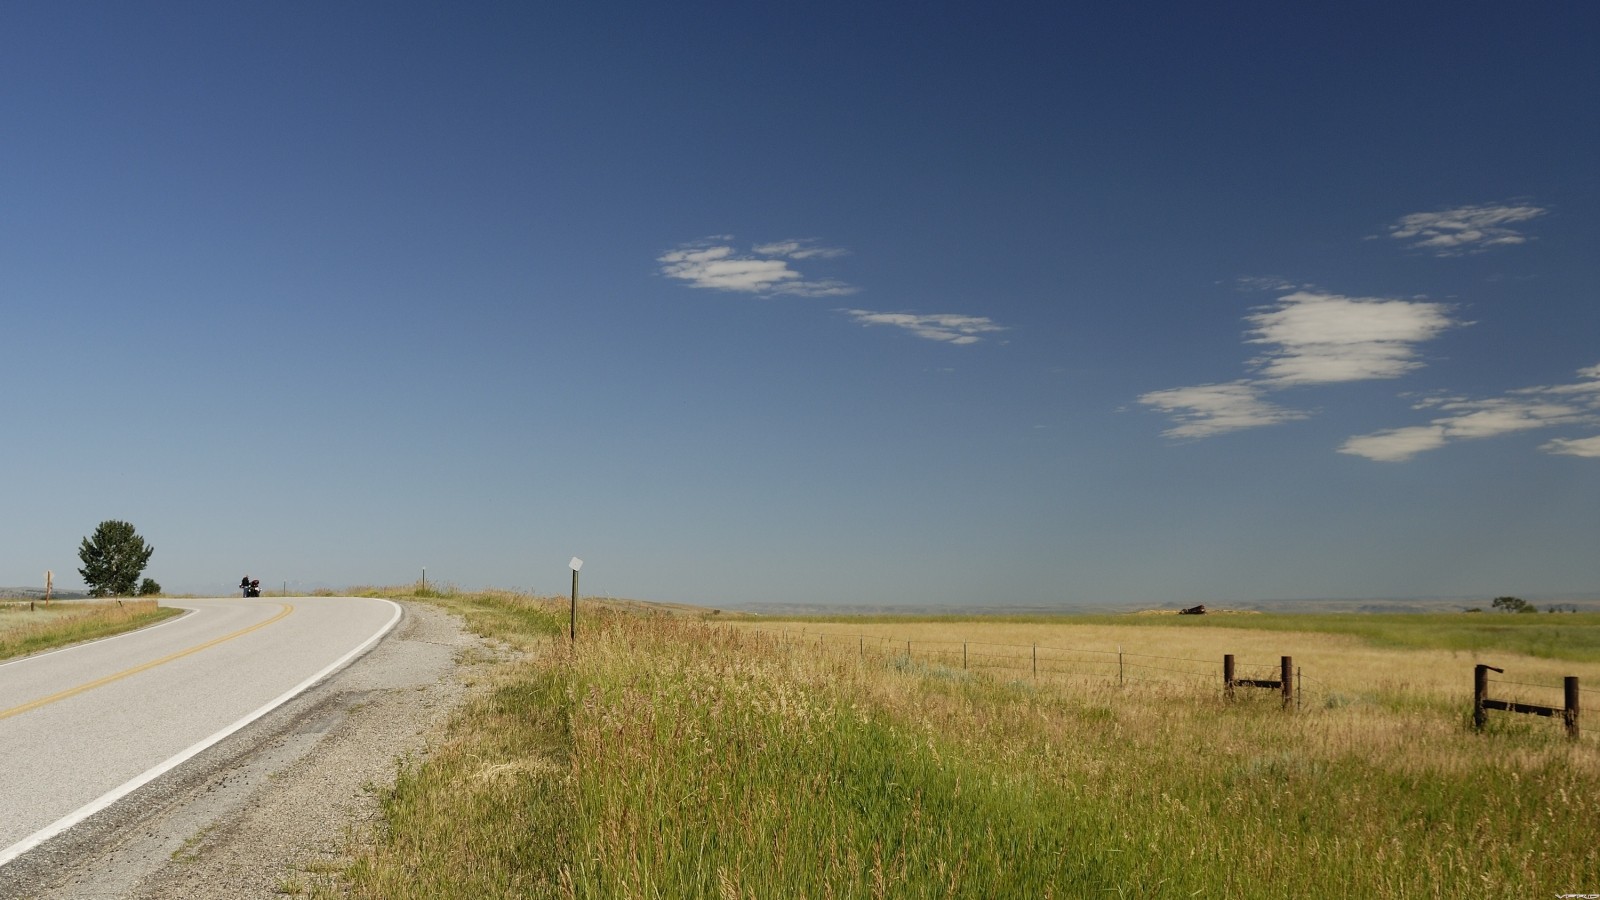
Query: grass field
[1350,656]
[24,630]
[670,756]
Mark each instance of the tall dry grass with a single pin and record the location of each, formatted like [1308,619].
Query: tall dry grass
[673,758]
[24,630]
[1336,667]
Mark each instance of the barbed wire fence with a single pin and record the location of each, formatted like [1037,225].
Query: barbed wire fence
[1038,663]
[1045,664]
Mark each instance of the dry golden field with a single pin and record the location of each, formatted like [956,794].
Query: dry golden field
[1330,663]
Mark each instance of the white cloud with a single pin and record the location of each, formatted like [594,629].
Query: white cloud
[1465,229]
[1326,338]
[1523,409]
[1396,445]
[1587,447]
[1312,337]
[1590,385]
[718,266]
[1211,409]
[950,328]
[803,248]
[1504,415]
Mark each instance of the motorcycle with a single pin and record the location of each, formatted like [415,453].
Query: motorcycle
[251,587]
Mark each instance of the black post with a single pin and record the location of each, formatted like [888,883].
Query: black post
[1227,675]
[574,631]
[1570,683]
[1286,675]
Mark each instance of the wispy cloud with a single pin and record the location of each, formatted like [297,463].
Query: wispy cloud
[1589,447]
[1524,409]
[951,328]
[1211,409]
[1311,338]
[1322,338]
[1465,229]
[1270,283]
[768,269]
[717,265]
[1396,445]
[802,248]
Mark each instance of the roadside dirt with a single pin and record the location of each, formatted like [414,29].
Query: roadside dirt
[266,813]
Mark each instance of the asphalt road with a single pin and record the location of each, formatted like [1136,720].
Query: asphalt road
[82,727]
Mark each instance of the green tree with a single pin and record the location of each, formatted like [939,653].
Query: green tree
[1512,604]
[149,587]
[113,558]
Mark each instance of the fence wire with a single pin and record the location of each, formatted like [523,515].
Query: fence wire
[1542,687]
[951,644]
[1064,664]
[1040,661]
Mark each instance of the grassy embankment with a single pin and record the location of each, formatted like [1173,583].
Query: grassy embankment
[675,757]
[24,630]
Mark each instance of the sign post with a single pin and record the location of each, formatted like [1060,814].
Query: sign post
[575,565]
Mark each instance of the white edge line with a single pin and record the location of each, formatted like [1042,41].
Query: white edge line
[144,629]
[60,825]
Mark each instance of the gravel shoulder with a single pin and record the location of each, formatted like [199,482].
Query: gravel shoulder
[267,812]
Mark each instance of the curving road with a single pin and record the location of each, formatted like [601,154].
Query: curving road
[82,727]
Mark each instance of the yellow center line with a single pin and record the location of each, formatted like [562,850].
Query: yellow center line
[99,682]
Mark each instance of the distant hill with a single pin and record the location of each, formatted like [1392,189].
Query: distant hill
[1583,603]
[17,593]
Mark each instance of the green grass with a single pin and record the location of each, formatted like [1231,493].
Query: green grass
[668,757]
[489,813]
[1564,636]
[24,631]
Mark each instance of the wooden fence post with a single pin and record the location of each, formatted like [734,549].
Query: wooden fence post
[1035,662]
[1227,675]
[1286,675]
[1570,685]
[963,655]
[1480,692]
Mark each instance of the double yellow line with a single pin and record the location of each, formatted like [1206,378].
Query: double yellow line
[99,682]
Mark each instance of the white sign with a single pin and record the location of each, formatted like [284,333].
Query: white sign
[576,564]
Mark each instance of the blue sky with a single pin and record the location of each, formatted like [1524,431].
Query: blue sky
[908,304]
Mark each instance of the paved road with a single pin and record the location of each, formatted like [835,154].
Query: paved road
[82,727]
